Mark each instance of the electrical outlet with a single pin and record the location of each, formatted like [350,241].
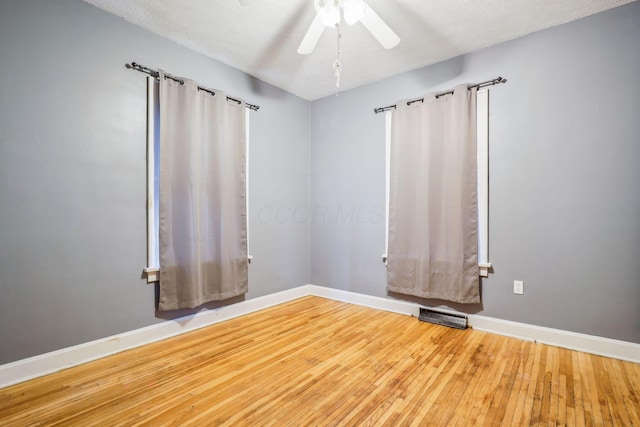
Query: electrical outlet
[518,287]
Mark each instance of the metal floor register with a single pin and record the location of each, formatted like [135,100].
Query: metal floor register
[457,321]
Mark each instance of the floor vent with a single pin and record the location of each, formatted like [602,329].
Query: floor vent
[457,321]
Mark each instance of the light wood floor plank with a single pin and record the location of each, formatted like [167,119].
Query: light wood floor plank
[516,398]
[581,408]
[499,408]
[480,364]
[320,362]
[562,389]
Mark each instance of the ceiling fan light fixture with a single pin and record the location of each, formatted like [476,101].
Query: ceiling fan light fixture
[329,11]
[353,10]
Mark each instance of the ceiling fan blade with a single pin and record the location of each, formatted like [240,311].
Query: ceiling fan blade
[310,39]
[379,29]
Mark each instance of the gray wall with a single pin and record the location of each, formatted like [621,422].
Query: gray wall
[565,208]
[564,176]
[72,174]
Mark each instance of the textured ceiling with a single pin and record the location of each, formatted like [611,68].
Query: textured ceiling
[261,37]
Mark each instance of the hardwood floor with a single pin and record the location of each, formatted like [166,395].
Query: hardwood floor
[320,362]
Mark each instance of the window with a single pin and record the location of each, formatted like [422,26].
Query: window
[482,126]
[153,180]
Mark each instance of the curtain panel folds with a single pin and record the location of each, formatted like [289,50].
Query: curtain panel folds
[202,211]
[433,204]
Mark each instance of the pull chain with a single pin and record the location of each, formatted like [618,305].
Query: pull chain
[337,66]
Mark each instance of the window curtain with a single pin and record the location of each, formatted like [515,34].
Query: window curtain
[202,212]
[433,204]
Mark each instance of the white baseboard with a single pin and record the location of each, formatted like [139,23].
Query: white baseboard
[37,366]
[33,367]
[616,349]
[380,303]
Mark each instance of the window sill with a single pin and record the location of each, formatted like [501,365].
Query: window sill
[153,274]
[485,269]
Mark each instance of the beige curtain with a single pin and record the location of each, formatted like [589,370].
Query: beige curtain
[203,236]
[433,219]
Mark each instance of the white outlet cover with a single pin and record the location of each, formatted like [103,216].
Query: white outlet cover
[518,287]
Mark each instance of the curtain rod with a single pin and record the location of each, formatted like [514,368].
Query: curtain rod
[156,74]
[449,92]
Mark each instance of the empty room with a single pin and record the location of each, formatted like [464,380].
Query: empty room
[319,212]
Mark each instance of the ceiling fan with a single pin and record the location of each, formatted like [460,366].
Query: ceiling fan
[329,13]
